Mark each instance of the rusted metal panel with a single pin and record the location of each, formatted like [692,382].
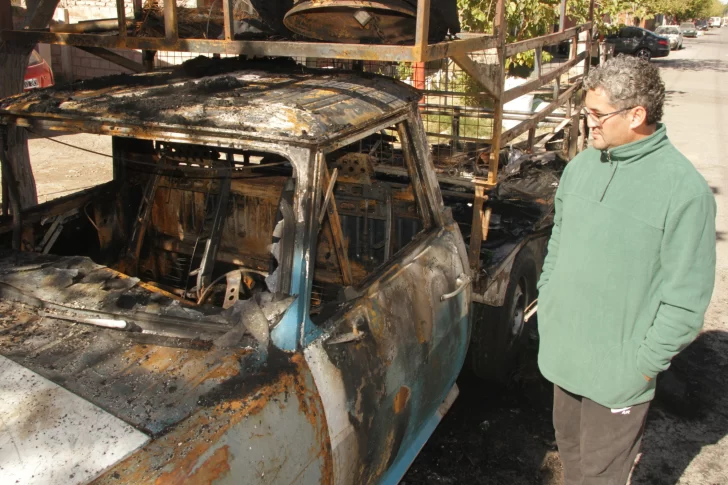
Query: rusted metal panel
[216,414]
[247,104]
[383,387]
[275,432]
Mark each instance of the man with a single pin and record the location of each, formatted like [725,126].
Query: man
[628,275]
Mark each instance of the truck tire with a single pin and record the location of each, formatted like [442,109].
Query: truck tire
[498,333]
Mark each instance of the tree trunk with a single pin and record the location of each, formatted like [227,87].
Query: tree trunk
[14,61]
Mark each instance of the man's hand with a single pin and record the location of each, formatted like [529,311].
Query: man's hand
[648,379]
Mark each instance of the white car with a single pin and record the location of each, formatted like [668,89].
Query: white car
[673,33]
[715,21]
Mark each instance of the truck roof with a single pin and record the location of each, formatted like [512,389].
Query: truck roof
[231,98]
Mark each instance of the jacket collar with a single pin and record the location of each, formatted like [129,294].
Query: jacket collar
[635,151]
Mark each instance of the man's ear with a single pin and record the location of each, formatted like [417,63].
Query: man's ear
[639,117]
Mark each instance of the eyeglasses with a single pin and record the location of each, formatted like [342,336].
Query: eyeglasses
[601,118]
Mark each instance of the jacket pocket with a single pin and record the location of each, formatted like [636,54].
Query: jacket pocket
[620,381]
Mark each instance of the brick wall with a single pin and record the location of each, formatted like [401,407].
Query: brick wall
[87,65]
[56,60]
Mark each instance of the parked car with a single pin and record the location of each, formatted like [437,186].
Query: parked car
[689,29]
[702,25]
[39,74]
[639,42]
[716,21]
[673,33]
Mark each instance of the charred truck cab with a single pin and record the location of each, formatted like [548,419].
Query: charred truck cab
[270,289]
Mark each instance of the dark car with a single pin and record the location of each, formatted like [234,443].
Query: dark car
[702,25]
[689,29]
[642,43]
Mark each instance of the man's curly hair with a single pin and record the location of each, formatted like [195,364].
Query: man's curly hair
[630,81]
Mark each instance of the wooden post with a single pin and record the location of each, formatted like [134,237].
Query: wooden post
[582,128]
[481,217]
[423,29]
[573,137]
[228,20]
[14,61]
[121,16]
[531,139]
[500,31]
[170,20]
[342,254]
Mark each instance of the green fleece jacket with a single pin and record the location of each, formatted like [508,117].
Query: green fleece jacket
[629,271]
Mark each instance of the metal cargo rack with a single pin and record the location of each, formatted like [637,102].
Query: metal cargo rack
[465,108]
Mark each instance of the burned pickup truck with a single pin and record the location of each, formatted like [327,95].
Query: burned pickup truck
[270,290]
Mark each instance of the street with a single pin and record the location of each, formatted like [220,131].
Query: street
[504,436]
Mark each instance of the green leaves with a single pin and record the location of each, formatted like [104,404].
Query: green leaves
[524,19]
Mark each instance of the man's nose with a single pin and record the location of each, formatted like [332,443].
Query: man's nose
[591,122]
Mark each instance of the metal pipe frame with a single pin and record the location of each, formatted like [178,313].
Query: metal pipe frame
[259,48]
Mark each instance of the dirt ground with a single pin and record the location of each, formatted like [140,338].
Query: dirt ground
[61,170]
[503,435]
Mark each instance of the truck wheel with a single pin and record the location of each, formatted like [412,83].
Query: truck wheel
[498,333]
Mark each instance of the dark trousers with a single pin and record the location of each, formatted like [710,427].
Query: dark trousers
[597,445]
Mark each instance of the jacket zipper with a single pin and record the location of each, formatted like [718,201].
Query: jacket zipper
[611,164]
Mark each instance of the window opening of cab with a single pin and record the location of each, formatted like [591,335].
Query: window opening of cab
[208,224]
[379,210]
[34,59]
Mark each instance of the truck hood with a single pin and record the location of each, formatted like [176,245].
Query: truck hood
[75,399]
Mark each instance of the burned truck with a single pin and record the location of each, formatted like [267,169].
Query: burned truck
[274,287]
